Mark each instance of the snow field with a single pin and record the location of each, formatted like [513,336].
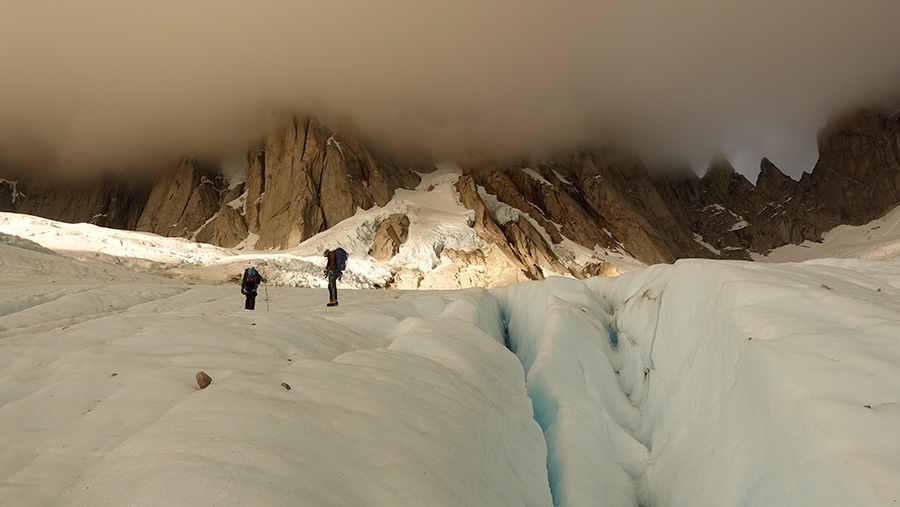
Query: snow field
[395,399]
[703,383]
[757,388]
[716,383]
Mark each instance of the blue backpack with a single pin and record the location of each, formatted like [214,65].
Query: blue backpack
[340,259]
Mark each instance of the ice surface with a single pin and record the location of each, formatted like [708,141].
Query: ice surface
[703,383]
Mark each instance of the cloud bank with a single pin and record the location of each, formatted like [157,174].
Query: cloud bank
[101,84]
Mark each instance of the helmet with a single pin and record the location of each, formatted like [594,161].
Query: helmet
[326,252]
[251,271]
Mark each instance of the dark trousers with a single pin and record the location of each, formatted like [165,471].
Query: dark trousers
[332,284]
[250,304]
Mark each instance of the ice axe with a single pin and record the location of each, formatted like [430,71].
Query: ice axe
[266,288]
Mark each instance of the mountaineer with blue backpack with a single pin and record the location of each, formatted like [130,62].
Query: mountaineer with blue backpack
[337,262]
[249,283]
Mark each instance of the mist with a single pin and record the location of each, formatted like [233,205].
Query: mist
[106,85]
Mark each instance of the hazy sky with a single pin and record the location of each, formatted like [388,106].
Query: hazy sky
[104,84]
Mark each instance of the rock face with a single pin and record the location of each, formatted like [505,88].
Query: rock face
[305,178]
[301,179]
[595,199]
[182,200]
[10,193]
[505,260]
[856,180]
[229,227]
[289,167]
[857,176]
[607,199]
[106,202]
[732,217]
[392,232]
[712,207]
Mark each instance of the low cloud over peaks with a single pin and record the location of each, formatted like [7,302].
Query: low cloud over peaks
[100,84]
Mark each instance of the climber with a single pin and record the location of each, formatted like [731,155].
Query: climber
[249,283]
[337,262]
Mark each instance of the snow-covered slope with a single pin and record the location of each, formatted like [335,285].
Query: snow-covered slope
[373,403]
[438,222]
[713,383]
[703,383]
[877,240]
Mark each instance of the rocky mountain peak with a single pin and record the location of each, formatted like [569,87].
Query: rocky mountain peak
[106,201]
[774,183]
[305,177]
[722,182]
[182,199]
[858,171]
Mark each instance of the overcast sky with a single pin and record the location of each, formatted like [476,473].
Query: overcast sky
[105,84]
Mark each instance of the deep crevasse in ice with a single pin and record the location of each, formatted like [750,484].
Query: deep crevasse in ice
[651,389]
